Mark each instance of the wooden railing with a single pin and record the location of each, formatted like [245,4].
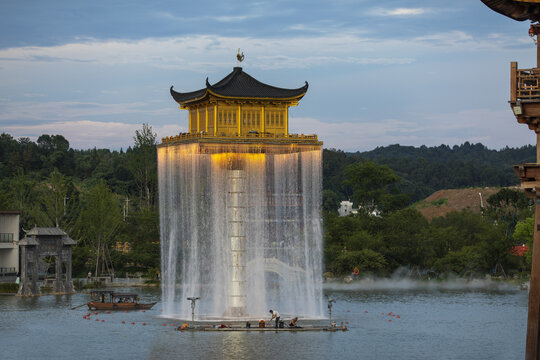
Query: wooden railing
[190,136]
[524,84]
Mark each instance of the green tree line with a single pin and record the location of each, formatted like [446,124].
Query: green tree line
[98,196]
[101,197]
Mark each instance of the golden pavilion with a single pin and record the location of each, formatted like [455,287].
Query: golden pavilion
[240,109]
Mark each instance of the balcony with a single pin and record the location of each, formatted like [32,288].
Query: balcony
[249,137]
[6,237]
[525,95]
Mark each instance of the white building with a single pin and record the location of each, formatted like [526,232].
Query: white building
[9,245]
[345,208]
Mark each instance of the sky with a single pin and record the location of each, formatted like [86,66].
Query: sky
[379,72]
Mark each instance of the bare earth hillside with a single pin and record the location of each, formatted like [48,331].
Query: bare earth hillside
[442,202]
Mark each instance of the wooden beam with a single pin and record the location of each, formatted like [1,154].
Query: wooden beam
[513,81]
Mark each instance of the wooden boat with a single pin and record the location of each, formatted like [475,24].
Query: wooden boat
[110,300]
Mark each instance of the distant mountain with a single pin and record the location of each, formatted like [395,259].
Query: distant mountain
[424,170]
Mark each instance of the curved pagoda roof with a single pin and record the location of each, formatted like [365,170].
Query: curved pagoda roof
[520,10]
[239,85]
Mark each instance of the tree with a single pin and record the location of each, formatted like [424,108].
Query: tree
[524,234]
[370,185]
[100,220]
[143,163]
[54,196]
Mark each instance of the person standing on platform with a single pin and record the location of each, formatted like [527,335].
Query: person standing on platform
[275,315]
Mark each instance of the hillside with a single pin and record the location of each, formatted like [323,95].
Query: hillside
[424,170]
[442,202]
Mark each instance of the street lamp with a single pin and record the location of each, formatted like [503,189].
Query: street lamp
[193,300]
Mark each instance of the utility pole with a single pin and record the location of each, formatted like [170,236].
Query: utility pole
[65,204]
[126,209]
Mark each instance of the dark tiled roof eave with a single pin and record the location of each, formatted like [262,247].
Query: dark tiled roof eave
[517,10]
[239,84]
[189,96]
[44,231]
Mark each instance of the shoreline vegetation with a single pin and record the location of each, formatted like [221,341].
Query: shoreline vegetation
[107,201]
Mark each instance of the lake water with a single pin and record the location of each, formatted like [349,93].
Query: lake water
[436,321]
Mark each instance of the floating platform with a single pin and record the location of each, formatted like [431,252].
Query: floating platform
[239,328]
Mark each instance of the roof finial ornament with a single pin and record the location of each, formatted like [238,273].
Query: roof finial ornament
[239,57]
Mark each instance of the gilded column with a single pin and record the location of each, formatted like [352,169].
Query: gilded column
[215,120]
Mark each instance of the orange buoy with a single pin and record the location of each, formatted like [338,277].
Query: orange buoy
[144,311]
[84,317]
[108,312]
[182,327]
[344,328]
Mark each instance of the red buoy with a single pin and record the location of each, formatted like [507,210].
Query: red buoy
[144,311]
[102,320]
[144,324]
[397,317]
[132,323]
[95,313]
[164,324]
[84,317]
[97,319]
[346,322]
[365,312]
[108,312]
[123,322]
[389,320]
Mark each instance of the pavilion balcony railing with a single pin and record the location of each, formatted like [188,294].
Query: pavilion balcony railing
[524,84]
[249,135]
[7,271]
[6,237]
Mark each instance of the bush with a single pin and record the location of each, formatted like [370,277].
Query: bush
[365,260]
[9,288]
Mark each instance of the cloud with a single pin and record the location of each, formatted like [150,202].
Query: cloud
[354,135]
[86,134]
[204,53]
[60,110]
[429,130]
[397,11]
[220,18]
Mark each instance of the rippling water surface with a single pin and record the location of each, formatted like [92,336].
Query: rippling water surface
[435,322]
